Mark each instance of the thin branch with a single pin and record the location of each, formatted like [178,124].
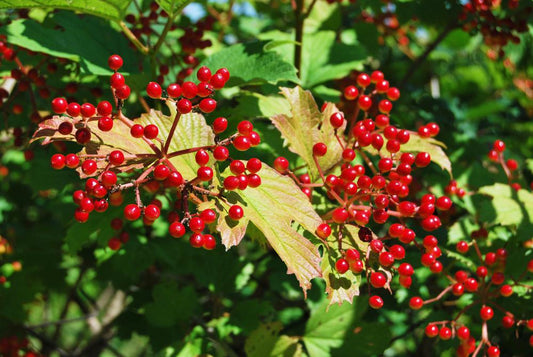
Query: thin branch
[131,36]
[418,61]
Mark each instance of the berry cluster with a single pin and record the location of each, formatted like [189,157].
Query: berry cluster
[509,166]
[15,346]
[387,23]
[378,190]
[498,26]
[192,40]
[156,173]
[488,284]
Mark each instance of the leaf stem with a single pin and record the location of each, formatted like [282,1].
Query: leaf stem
[418,61]
[166,29]
[171,132]
[131,36]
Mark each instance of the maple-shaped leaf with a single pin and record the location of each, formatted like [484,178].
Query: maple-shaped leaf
[192,131]
[342,287]
[305,126]
[273,208]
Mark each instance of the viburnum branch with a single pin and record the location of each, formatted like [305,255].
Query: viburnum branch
[438,297]
[171,132]
[131,36]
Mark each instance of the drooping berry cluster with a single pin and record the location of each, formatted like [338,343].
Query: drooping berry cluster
[488,285]
[377,190]
[16,346]
[157,174]
[509,166]
[498,25]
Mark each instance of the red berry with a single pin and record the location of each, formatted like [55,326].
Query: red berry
[375,302]
[323,230]
[499,146]
[422,159]
[196,240]
[174,90]
[57,161]
[203,74]
[114,62]
[205,173]
[281,164]
[132,212]
[105,123]
[137,131]
[364,102]
[59,105]
[462,247]
[445,333]
[432,330]
[336,120]
[405,269]
[189,90]
[207,105]
[378,279]
[339,215]
[123,92]
[154,90]
[416,303]
[65,128]
[151,212]
[486,313]
[463,333]
[235,212]
[117,80]
[209,242]
[89,167]
[320,149]
[104,108]
[116,157]
[83,135]
[351,92]
[150,131]
[176,229]
[196,224]
[201,157]
[363,80]
[342,266]
[72,161]
[220,125]
[493,351]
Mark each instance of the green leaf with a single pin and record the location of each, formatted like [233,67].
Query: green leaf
[97,227]
[251,64]
[324,59]
[99,41]
[265,341]
[292,206]
[509,207]
[109,9]
[171,305]
[173,7]
[254,104]
[301,129]
[327,327]
[192,131]
[366,339]
[341,287]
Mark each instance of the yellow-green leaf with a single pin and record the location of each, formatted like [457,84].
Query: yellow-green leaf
[273,207]
[305,126]
[192,131]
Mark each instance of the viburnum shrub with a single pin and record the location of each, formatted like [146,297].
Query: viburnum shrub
[361,181]
[156,154]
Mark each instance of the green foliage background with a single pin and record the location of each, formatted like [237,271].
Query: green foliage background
[158,296]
